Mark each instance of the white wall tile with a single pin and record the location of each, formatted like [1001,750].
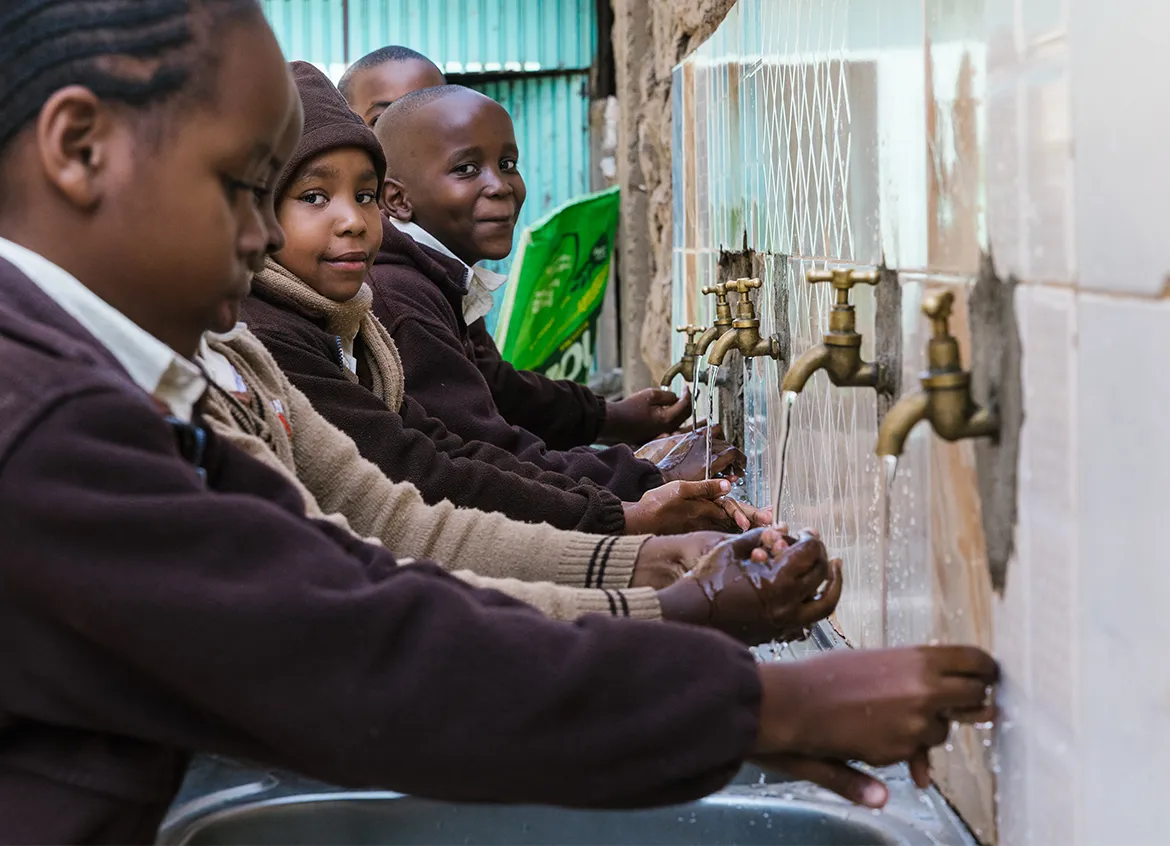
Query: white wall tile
[1120,64]
[1124,531]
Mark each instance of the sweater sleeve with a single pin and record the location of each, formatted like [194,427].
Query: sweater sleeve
[511,487]
[340,480]
[138,602]
[445,381]
[453,538]
[560,412]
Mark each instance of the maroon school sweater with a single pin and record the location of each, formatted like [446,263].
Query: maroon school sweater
[148,611]
[418,296]
[410,446]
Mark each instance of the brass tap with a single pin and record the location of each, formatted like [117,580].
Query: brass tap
[945,399]
[690,357]
[744,334]
[722,322]
[839,353]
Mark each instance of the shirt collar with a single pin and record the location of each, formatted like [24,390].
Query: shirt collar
[479,281]
[157,369]
[217,366]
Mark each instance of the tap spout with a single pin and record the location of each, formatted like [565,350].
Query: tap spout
[904,416]
[709,336]
[668,376]
[804,367]
[727,341]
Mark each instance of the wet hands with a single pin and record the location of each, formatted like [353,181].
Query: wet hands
[645,415]
[680,507]
[878,706]
[662,561]
[759,587]
[688,459]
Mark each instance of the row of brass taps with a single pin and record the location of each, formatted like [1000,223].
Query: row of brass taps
[741,332]
[945,399]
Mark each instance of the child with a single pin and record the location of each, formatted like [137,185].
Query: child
[452,196]
[163,593]
[561,413]
[379,78]
[312,310]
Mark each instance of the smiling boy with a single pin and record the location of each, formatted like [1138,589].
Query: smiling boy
[452,195]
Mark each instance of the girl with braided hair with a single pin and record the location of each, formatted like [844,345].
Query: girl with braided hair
[162,593]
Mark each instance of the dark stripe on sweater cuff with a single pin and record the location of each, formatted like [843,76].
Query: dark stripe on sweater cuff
[612,604]
[625,605]
[605,560]
[593,562]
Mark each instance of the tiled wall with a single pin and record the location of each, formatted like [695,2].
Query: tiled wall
[928,133]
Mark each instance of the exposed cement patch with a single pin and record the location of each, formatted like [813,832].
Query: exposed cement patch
[996,355]
[733,265]
[888,340]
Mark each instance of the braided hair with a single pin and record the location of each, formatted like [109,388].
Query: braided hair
[137,52]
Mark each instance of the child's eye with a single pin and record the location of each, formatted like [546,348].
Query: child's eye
[235,187]
[509,165]
[314,198]
[466,170]
[366,197]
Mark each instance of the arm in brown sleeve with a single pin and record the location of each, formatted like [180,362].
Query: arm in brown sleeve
[561,413]
[139,603]
[402,453]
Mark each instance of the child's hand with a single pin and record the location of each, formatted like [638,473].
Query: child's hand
[686,462]
[663,561]
[659,448]
[645,415]
[879,706]
[680,507]
[758,587]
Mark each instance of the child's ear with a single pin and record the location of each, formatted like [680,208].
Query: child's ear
[396,201]
[75,138]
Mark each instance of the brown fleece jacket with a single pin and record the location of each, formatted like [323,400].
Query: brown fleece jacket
[164,593]
[275,423]
[301,329]
[418,296]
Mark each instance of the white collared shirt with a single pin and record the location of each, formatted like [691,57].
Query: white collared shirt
[219,370]
[157,369]
[480,281]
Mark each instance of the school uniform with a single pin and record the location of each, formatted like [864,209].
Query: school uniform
[163,593]
[340,357]
[422,296]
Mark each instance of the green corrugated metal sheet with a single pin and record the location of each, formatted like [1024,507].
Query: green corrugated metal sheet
[310,30]
[472,36]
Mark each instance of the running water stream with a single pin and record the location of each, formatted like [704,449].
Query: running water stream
[885,493]
[787,400]
[712,371]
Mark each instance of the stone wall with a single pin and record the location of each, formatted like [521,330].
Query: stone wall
[650,37]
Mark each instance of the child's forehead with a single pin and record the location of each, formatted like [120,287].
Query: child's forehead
[465,117]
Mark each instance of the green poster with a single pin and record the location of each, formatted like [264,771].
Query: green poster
[548,322]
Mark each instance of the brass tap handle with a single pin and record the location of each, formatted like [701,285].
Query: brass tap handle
[938,308]
[691,331]
[743,285]
[843,279]
[718,289]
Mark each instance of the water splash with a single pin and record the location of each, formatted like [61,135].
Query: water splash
[885,494]
[712,371]
[787,401]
